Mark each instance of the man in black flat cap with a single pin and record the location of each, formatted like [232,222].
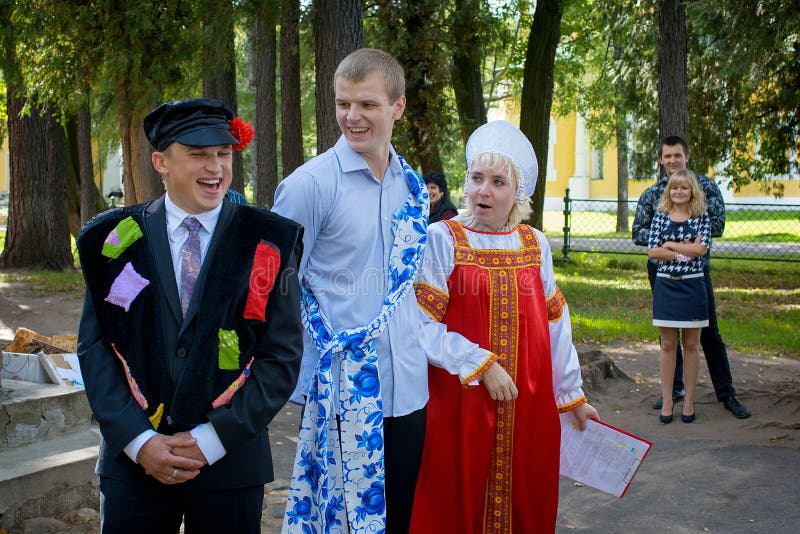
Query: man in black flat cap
[190,339]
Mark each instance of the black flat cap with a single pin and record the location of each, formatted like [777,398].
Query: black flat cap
[192,122]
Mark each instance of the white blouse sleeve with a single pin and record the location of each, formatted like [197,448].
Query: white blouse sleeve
[448,350]
[567,380]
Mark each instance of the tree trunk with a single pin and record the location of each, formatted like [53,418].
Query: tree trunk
[84,138]
[622,173]
[57,247]
[265,151]
[219,66]
[74,181]
[537,91]
[140,180]
[291,117]
[466,72]
[338,30]
[673,110]
[422,90]
[27,226]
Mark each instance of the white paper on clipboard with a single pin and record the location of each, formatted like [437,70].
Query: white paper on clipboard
[602,456]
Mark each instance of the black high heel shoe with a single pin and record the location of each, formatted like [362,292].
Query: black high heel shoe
[688,418]
[666,419]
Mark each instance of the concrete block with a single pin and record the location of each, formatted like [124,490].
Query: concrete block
[33,412]
[49,477]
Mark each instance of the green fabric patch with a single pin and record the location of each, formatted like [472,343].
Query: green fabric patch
[121,237]
[228,350]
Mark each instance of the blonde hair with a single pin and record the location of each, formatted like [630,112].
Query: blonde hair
[364,61]
[521,209]
[697,203]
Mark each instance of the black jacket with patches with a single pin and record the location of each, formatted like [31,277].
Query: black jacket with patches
[175,361]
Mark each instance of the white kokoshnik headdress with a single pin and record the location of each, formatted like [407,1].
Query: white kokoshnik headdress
[502,137]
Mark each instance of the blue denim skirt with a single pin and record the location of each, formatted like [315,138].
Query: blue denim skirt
[680,301]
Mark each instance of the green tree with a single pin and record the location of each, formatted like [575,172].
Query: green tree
[333,42]
[745,72]
[673,109]
[263,46]
[37,235]
[537,91]
[291,110]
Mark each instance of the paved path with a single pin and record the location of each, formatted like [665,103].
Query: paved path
[683,486]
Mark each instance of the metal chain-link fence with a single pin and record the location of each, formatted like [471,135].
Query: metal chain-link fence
[752,231]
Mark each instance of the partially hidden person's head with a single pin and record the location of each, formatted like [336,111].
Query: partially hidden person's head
[683,188]
[437,187]
[501,175]
[673,154]
[194,140]
[370,96]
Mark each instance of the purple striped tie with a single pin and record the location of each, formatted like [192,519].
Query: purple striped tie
[190,261]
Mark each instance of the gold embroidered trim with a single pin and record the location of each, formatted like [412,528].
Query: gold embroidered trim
[555,305]
[481,370]
[432,300]
[503,340]
[572,405]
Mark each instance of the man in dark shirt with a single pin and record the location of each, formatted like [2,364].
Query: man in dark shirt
[673,155]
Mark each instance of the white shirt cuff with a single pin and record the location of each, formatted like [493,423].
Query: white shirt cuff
[208,442]
[132,449]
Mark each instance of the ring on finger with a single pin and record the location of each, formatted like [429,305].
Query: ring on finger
[174,472]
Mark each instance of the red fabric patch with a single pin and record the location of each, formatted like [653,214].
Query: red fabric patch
[266,263]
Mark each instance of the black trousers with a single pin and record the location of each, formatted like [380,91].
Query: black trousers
[403,439]
[710,339]
[154,508]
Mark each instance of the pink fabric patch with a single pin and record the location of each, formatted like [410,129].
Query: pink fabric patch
[126,287]
[113,237]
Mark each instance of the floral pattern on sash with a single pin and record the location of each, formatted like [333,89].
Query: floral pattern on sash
[338,485]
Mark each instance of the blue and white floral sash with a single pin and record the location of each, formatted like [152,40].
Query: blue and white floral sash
[335,483]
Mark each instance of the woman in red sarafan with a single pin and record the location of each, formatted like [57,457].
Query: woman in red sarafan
[492,465]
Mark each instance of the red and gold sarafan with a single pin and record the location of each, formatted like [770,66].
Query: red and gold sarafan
[492,466]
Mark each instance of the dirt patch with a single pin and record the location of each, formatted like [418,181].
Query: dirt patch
[50,315]
[768,385]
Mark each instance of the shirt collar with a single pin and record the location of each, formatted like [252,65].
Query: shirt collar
[351,161]
[176,215]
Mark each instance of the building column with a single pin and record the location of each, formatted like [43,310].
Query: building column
[579,181]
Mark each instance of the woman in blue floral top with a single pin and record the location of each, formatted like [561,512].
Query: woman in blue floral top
[679,239]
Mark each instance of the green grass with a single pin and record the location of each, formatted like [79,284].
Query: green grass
[741,225]
[758,303]
[44,283]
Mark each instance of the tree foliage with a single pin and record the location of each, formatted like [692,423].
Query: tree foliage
[743,81]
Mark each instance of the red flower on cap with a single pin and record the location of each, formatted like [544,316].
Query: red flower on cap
[242,131]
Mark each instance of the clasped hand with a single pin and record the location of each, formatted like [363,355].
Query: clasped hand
[499,383]
[172,459]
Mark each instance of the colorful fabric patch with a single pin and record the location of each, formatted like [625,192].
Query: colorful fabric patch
[126,287]
[266,263]
[432,300]
[555,305]
[121,237]
[228,350]
[225,398]
[134,387]
[155,419]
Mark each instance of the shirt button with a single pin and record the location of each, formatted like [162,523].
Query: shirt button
[181,353]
